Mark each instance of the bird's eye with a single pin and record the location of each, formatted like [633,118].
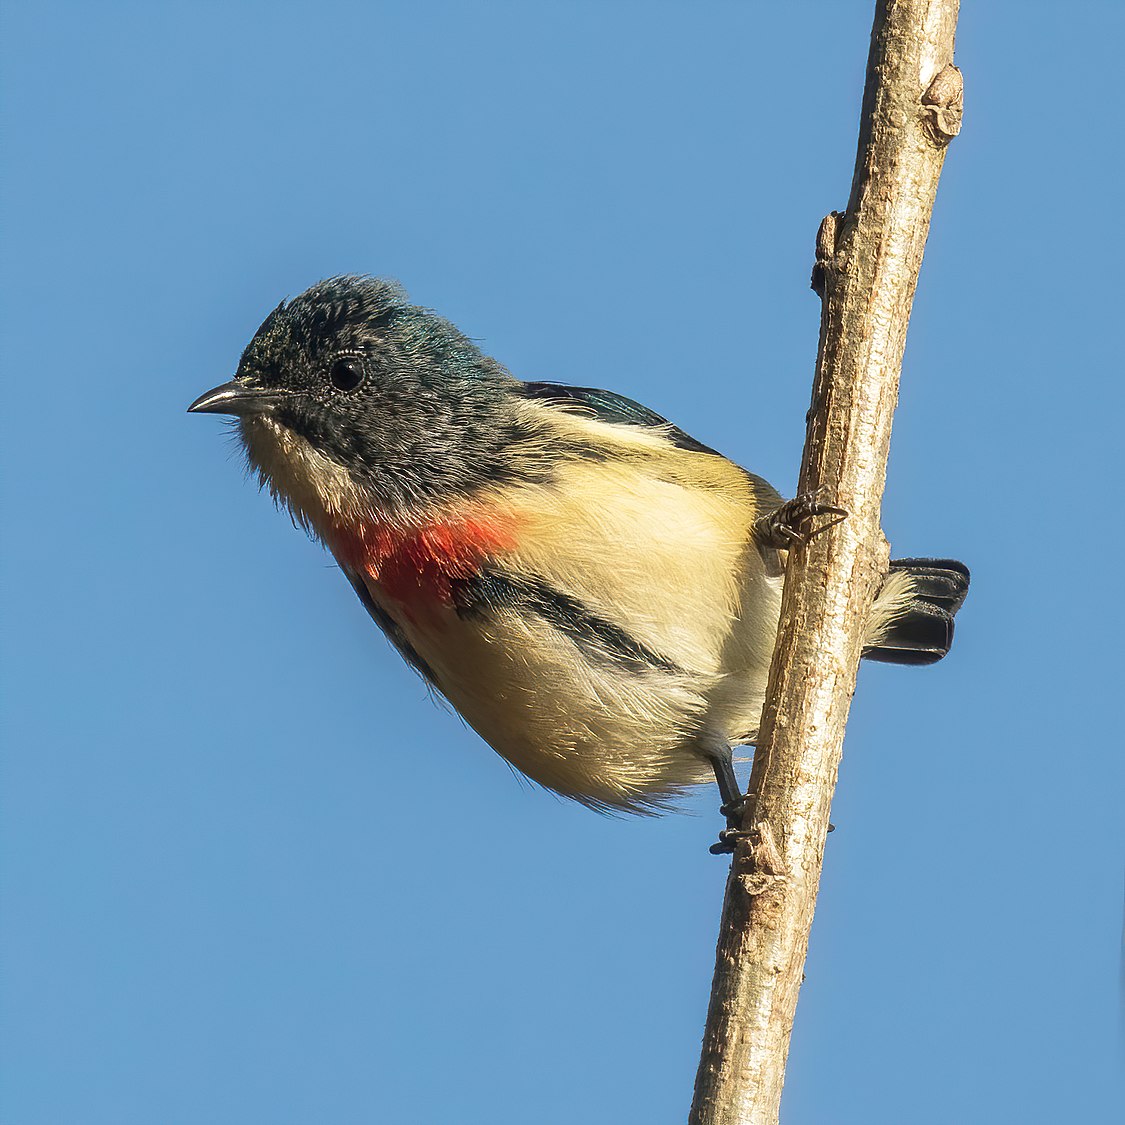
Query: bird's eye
[346,374]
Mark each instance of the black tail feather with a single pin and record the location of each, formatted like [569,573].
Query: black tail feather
[941,582]
[924,634]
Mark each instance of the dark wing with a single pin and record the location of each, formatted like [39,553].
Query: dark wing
[610,407]
[394,634]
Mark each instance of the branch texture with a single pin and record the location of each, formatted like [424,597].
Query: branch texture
[866,271]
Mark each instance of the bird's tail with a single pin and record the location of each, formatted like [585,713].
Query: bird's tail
[912,620]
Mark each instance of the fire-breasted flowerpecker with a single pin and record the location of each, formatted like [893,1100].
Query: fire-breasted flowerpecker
[596,592]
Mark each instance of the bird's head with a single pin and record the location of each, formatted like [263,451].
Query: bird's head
[354,401]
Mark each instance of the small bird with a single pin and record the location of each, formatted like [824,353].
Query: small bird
[596,592]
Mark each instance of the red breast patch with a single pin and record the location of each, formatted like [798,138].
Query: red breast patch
[422,561]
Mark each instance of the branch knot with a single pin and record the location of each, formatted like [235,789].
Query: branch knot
[768,868]
[824,266]
[944,104]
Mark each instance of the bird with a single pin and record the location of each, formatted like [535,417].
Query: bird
[594,591]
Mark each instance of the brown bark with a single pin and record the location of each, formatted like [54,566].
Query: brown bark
[867,266]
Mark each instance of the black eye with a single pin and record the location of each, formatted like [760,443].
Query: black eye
[346,374]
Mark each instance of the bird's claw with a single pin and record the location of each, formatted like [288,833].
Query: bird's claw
[786,527]
[733,810]
[729,836]
[728,841]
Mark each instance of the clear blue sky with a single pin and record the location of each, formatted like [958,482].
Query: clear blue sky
[249,872]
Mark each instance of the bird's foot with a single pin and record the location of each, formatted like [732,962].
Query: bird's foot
[787,526]
[718,752]
[729,836]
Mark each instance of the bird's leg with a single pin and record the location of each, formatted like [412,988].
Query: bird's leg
[786,527]
[718,753]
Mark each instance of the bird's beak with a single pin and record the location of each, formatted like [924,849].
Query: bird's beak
[235,397]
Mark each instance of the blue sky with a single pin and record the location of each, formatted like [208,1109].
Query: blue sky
[249,872]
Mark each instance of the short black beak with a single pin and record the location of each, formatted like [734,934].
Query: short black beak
[235,398]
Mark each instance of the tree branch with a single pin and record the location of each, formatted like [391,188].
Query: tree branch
[866,271]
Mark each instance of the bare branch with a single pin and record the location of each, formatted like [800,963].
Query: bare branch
[866,270]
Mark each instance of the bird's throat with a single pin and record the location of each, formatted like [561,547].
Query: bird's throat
[414,557]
